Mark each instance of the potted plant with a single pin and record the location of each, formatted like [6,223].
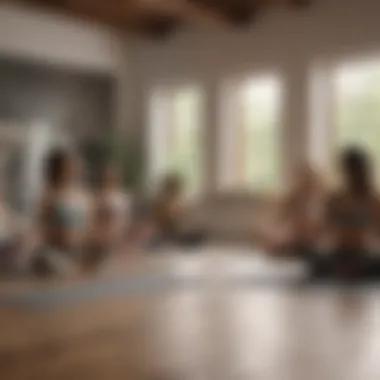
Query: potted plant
[125,152]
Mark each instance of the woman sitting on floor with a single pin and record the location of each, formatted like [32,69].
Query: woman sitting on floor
[112,214]
[297,219]
[168,216]
[352,221]
[65,216]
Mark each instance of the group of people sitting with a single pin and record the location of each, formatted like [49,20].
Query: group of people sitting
[79,228]
[336,232]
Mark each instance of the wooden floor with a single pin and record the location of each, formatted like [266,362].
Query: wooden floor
[213,328]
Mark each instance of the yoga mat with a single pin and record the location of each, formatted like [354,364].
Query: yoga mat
[97,290]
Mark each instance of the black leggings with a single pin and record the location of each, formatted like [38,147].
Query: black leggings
[342,264]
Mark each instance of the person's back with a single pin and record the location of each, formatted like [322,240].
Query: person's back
[167,217]
[168,209]
[167,214]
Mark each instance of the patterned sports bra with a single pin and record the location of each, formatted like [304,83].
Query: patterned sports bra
[68,215]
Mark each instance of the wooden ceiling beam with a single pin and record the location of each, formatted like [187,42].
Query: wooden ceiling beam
[236,12]
[289,3]
[162,17]
[182,9]
[95,13]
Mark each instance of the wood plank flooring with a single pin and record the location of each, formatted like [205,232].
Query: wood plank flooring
[212,330]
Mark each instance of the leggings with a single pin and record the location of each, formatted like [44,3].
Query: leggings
[343,264]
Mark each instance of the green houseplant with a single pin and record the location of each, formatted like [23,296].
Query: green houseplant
[124,151]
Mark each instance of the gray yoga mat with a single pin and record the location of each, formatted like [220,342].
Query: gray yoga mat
[97,290]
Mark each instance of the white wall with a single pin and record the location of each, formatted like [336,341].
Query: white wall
[35,34]
[289,42]
[279,39]
[31,34]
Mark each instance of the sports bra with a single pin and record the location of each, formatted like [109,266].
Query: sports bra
[68,215]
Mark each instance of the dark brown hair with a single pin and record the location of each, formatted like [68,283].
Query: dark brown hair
[172,183]
[356,166]
[54,166]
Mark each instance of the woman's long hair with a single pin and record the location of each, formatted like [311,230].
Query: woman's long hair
[55,166]
[357,170]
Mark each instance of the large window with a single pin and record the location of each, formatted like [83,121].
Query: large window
[175,141]
[357,106]
[251,144]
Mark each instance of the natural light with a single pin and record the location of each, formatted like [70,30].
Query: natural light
[357,106]
[175,135]
[260,133]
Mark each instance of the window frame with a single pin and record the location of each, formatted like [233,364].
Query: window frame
[234,85]
[171,88]
[324,69]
